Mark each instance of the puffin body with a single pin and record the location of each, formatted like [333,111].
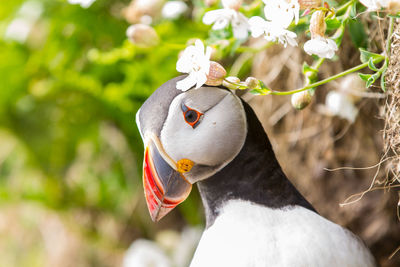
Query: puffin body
[254,215]
[251,235]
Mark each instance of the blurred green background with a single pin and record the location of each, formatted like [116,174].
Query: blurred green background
[70,152]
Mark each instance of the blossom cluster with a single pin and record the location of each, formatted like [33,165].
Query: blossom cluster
[273,20]
[274,27]
[279,14]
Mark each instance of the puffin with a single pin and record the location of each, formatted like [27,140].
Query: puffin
[255,217]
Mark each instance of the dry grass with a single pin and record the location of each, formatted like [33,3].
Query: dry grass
[391,133]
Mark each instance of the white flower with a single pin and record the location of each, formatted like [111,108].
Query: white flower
[173,9]
[320,46]
[279,15]
[272,32]
[143,253]
[374,5]
[222,17]
[31,10]
[282,12]
[339,104]
[83,3]
[196,63]
[142,35]
[20,28]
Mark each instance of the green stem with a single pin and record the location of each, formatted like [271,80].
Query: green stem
[345,6]
[338,36]
[318,63]
[334,77]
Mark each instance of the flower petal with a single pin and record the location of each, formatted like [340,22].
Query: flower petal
[240,26]
[183,65]
[322,47]
[211,16]
[201,79]
[199,46]
[186,83]
[240,31]
[208,52]
[220,24]
[257,26]
[340,105]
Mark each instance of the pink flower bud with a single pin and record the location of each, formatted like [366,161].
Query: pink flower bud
[216,74]
[232,4]
[142,35]
[137,9]
[306,4]
[210,2]
[317,24]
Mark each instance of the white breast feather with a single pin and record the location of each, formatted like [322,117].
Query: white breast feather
[249,235]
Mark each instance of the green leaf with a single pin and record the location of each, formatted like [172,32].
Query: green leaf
[366,55]
[372,79]
[333,24]
[397,16]
[257,92]
[371,65]
[353,11]
[264,87]
[306,68]
[358,34]
[370,82]
[364,77]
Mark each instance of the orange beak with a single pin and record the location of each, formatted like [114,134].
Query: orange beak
[164,186]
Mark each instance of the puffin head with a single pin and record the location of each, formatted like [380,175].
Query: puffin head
[188,137]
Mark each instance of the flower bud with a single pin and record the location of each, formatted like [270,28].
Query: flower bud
[301,100]
[352,86]
[216,74]
[317,24]
[232,4]
[339,104]
[210,2]
[173,9]
[134,12]
[308,4]
[252,83]
[228,82]
[142,35]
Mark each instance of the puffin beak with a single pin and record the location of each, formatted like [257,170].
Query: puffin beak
[164,186]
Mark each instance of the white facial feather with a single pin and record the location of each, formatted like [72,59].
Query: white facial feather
[219,136]
[138,122]
[251,235]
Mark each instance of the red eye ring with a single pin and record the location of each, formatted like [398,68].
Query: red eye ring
[191,116]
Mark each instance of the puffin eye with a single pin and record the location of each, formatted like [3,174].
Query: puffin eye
[191,116]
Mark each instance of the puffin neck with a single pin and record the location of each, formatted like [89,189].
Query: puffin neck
[253,175]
